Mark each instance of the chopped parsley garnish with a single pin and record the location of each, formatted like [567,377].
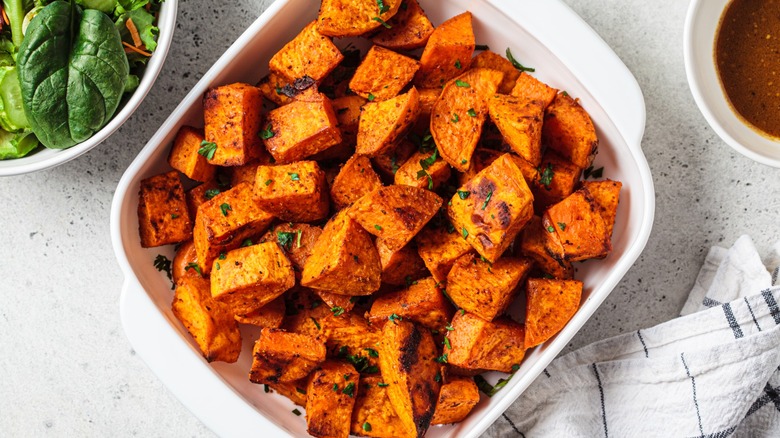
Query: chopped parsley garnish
[161,263]
[490,390]
[207,149]
[464,161]
[442,358]
[361,363]
[437,377]
[335,387]
[428,162]
[487,199]
[317,324]
[294,176]
[298,240]
[562,226]
[217,265]
[590,172]
[210,193]
[455,118]
[174,216]
[565,93]
[337,310]
[225,208]
[516,64]
[193,265]
[481,47]
[372,352]
[382,384]
[550,229]
[471,112]
[222,256]
[447,343]
[296,412]
[268,182]
[463,194]
[408,280]
[367,427]
[464,232]
[449,328]
[285,239]
[378,227]
[547,175]
[394,164]
[395,318]
[382,6]
[460,83]
[349,389]
[424,173]
[371,97]
[267,133]
[246,242]
[457,64]
[302,391]
[382,22]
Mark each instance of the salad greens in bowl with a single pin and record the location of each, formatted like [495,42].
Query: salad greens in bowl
[72,71]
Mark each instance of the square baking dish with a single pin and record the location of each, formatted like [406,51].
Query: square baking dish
[547,35]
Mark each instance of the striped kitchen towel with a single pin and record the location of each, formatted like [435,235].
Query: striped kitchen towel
[712,372]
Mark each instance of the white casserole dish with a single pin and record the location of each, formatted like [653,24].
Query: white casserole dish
[546,35]
[44,158]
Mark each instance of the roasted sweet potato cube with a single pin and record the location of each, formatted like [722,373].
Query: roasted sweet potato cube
[330,398]
[435,173]
[353,332]
[606,194]
[382,124]
[568,130]
[185,262]
[407,356]
[250,277]
[481,345]
[281,356]
[163,217]
[343,259]
[270,87]
[295,391]
[556,179]
[225,221]
[245,173]
[409,28]
[494,61]
[456,400]
[395,213]
[576,226]
[308,54]
[387,164]
[372,407]
[294,192]
[498,206]
[448,52]
[382,74]
[301,128]
[304,311]
[336,302]
[348,109]
[185,158]
[532,243]
[428,98]
[343,18]
[232,123]
[402,266]
[520,124]
[297,241]
[270,315]
[529,88]
[422,302]
[355,179]
[481,159]
[486,289]
[200,194]
[210,323]
[460,112]
[550,305]
[439,248]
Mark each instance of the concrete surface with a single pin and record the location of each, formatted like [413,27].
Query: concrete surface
[66,367]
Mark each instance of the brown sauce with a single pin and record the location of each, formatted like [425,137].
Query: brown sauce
[747,56]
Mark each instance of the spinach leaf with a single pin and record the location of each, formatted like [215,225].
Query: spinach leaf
[72,71]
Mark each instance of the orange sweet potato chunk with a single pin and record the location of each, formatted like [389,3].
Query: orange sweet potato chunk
[308,54]
[448,52]
[387,164]
[556,179]
[270,87]
[529,88]
[348,109]
[494,61]
[439,248]
[401,266]
[281,356]
[355,179]
[422,302]
[372,406]
[232,122]
[270,315]
[532,243]
[576,226]
[431,177]
[550,305]
[330,398]
[428,98]
[163,215]
[382,124]
[395,213]
[295,391]
[606,194]
[410,28]
[481,345]
[185,158]
[459,114]
[520,124]
[456,400]
[342,18]
[568,130]
[382,74]
[295,192]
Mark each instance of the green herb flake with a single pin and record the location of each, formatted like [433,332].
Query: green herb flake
[462,84]
[349,389]
[225,208]
[337,310]
[285,239]
[371,97]
[246,242]
[442,358]
[487,199]
[296,412]
[562,226]
[382,384]
[449,328]
[316,323]
[463,194]
[455,118]
[222,256]
[382,6]
[210,193]
[207,149]
[447,343]
[335,387]
[382,22]
[550,229]
[378,227]
[465,233]
[367,426]
[162,264]
[408,280]
[217,265]
[437,377]
[464,161]
[267,133]
[395,318]
[298,240]
[516,64]
[301,391]
[457,64]
[268,182]
[372,352]
[471,112]
[294,176]
[547,175]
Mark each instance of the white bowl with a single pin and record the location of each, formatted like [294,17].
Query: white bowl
[701,24]
[44,158]
[547,35]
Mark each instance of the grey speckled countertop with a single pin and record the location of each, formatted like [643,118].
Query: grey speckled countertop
[67,368]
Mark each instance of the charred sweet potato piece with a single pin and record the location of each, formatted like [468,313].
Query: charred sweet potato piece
[225,221]
[606,194]
[556,179]
[372,407]
[532,243]
[447,53]
[250,277]
[460,112]
[494,61]
[297,241]
[232,123]
[343,18]
[185,158]
[185,261]
[210,323]
[422,302]
[407,356]
[270,315]
[425,170]
[294,192]
[481,345]
[288,139]
[343,259]
[400,267]
[280,356]
[330,398]
[384,123]
[395,213]
[498,205]
[163,217]
[295,391]
[410,28]
[387,164]
[550,305]
[576,226]
[308,54]
[456,400]
[529,88]
[382,74]
[355,179]
[520,124]
[200,194]
[439,248]
[486,289]
[568,130]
